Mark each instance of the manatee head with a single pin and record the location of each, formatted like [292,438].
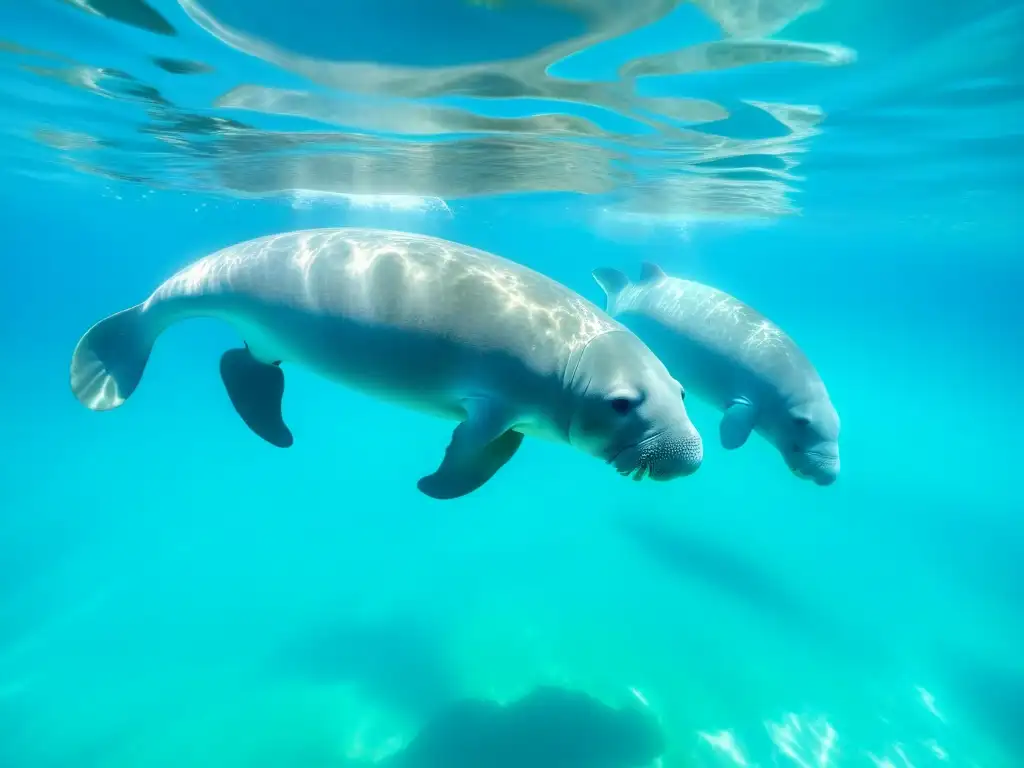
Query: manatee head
[628,410]
[808,438]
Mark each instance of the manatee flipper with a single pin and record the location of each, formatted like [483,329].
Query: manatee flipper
[109,360]
[256,390]
[480,446]
[737,423]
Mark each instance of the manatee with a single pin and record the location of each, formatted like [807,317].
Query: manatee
[422,322]
[737,360]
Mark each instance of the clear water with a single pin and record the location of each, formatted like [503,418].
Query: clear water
[174,592]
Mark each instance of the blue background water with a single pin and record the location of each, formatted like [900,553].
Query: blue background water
[158,562]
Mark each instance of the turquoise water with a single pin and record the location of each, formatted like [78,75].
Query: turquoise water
[175,592]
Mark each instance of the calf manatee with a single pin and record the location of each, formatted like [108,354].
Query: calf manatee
[433,325]
[737,360]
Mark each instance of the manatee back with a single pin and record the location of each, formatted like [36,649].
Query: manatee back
[400,281]
[719,338]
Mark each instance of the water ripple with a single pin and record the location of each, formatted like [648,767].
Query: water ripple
[364,128]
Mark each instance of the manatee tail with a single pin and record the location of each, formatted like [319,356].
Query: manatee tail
[110,358]
[613,283]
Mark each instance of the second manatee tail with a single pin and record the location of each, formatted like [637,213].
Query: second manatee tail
[612,282]
[109,360]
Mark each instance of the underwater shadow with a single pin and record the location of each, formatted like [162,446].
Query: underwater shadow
[992,693]
[399,661]
[694,558]
[548,728]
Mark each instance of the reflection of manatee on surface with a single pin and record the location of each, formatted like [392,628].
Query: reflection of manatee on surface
[751,19]
[661,168]
[548,728]
[413,118]
[137,13]
[255,164]
[182,66]
[728,54]
[400,661]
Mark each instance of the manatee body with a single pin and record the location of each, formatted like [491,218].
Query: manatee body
[427,323]
[735,359]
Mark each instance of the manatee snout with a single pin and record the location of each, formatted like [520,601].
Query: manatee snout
[820,465]
[671,454]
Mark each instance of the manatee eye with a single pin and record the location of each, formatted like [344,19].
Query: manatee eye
[621,405]
[801,421]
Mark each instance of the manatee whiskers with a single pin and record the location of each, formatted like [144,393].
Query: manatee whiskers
[637,473]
